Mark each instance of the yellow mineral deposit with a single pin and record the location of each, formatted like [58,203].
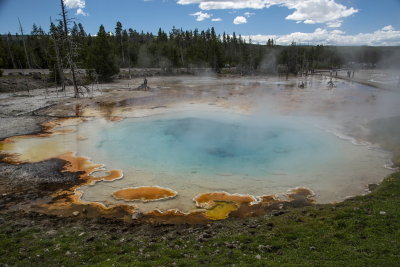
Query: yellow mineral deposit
[208,200]
[144,193]
[220,210]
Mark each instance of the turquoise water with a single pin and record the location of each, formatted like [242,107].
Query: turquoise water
[196,152]
[213,144]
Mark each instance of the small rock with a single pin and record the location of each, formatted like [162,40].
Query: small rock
[265,248]
[137,215]
[258,257]
[68,253]
[75,213]
[51,233]
[382,212]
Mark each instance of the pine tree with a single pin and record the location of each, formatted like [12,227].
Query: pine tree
[102,56]
[119,41]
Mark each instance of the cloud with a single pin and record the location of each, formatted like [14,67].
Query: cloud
[78,4]
[200,16]
[334,24]
[388,28]
[240,20]
[387,36]
[216,19]
[80,11]
[248,14]
[318,11]
[75,3]
[305,11]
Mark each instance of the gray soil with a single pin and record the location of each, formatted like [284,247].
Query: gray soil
[21,83]
[38,173]
[20,125]
[23,183]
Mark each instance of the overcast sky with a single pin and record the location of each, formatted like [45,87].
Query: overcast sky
[336,22]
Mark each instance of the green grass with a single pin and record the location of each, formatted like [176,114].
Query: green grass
[362,231]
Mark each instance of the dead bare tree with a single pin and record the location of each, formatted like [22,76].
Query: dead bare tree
[70,51]
[59,63]
[23,41]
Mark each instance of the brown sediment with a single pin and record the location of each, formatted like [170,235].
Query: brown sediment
[115,118]
[7,157]
[144,193]
[86,167]
[176,217]
[301,194]
[269,199]
[65,202]
[50,126]
[207,200]
[79,164]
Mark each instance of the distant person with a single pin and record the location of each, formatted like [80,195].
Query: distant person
[331,84]
[145,82]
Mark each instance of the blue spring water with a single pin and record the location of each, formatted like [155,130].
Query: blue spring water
[213,144]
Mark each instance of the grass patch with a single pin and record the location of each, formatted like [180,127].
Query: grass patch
[362,231]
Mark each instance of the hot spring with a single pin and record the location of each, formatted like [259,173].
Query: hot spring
[171,152]
[199,152]
[196,152]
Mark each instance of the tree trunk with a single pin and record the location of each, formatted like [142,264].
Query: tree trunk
[23,41]
[59,65]
[71,62]
[122,53]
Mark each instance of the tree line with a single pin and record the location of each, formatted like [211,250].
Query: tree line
[107,52]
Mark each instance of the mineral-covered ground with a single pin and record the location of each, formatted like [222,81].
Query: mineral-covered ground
[363,228]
